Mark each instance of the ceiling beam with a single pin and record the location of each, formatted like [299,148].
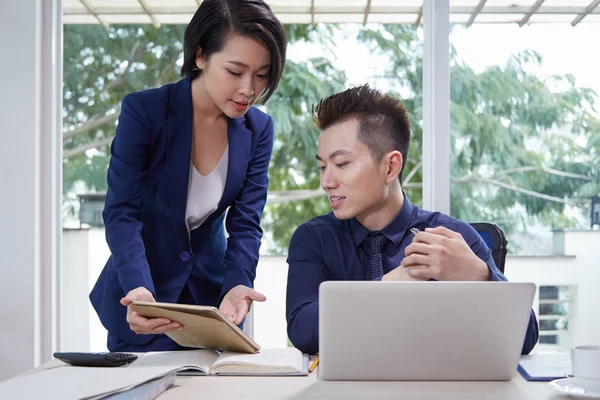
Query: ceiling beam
[419,17]
[367,11]
[533,10]
[148,12]
[588,10]
[92,11]
[489,9]
[477,11]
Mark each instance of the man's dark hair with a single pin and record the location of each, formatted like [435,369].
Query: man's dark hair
[217,20]
[383,120]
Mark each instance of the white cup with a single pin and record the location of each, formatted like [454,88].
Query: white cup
[585,362]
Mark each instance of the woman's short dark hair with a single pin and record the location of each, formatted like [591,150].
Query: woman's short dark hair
[383,123]
[217,20]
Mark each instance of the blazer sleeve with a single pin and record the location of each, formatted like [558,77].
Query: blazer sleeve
[130,150]
[243,217]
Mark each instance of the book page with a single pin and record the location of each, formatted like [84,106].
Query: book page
[199,360]
[287,360]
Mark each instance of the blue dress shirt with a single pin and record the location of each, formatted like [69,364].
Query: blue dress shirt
[326,248]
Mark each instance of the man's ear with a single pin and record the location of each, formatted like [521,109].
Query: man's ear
[200,61]
[394,162]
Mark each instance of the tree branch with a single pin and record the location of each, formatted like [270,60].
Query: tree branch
[412,173]
[99,120]
[94,123]
[293,195]
[78,150]
[167,70]
[284,196]
[547,170]
[525,191]
[135,55]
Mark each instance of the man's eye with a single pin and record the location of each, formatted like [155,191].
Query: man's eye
[341,165]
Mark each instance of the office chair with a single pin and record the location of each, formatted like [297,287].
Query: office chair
[495,239]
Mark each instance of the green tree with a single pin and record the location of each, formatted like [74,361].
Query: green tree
[518,140]
[102,65]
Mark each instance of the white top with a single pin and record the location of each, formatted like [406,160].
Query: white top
[205,192]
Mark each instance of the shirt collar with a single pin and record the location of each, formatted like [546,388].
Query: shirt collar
[394,231]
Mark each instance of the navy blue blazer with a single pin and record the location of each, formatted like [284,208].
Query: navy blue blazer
[144,214]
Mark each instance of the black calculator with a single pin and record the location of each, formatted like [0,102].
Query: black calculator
[104,359]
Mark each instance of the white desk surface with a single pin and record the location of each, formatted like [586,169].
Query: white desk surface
[309,387]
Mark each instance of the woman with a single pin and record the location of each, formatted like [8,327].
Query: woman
[182,156]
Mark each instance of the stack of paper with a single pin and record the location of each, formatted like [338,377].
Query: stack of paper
[67,382]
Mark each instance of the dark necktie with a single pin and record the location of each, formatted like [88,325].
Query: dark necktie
[375,244]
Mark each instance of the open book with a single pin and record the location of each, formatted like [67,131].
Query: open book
[203,326]
[285,361]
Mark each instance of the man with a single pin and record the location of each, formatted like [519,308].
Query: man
[362,153]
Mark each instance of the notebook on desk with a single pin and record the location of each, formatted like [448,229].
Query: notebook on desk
[269,362]
[545,367]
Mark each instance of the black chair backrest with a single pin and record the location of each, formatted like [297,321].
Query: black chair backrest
[495,239]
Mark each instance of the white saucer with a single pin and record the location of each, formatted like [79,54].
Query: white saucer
[581,388]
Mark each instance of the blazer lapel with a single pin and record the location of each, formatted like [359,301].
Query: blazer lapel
[179,141]
[240,143]
[179,127]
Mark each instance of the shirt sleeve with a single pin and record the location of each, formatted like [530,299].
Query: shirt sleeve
[483,252]
[306,272]
[480,249]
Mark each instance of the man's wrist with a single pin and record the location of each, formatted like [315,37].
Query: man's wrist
[482,271]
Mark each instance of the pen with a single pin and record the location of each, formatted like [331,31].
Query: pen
[414,231]
[314,365]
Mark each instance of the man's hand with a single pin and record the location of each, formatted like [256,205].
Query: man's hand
[444,255]
[146,326]
[400,274]
[237,302]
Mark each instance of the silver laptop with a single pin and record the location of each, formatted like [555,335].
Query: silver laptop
[422,330]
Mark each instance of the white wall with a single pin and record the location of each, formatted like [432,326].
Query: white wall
[28,161]
[587,298]
[270,327]
[86,252]
[579,269]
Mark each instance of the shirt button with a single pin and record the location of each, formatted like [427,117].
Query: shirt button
[185,256]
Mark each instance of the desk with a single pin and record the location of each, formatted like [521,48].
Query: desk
[309,387]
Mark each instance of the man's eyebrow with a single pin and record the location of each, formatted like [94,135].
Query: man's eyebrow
[339,152]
